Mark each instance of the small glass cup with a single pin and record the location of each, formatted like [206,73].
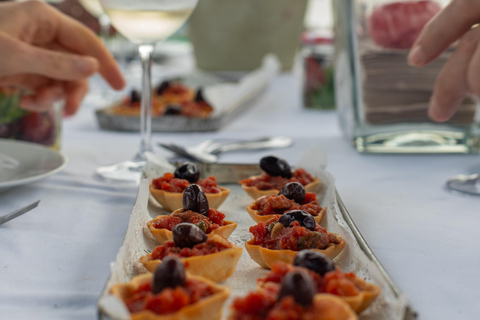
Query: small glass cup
[318,74]
[38,127]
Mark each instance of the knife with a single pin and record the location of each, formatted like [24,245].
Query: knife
[18,212]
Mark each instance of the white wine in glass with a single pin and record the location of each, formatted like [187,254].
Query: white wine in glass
[143,26]
[143,22]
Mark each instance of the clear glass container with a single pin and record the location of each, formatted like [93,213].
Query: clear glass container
[382,101]
[38,127]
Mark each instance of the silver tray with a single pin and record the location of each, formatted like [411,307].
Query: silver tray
[173,123]
[391,302]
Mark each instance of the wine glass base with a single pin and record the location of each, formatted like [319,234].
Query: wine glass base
[465,184]
[127,171]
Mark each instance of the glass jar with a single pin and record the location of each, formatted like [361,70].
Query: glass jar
[382,101]
[39,127]
[318,89]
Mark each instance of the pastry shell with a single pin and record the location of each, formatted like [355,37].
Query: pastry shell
[267,257]
[255,193]
[173,200]
[358,303]
[162,235]
[209,308]
[263,218]
[328,307]
[364,299]
[217,266]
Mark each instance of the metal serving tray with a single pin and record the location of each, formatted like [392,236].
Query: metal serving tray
[393,304]
[176,123]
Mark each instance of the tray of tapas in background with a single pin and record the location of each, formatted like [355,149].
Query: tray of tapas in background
[191,103]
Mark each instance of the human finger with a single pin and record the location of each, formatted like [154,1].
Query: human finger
[22,58]
[48,25]
[75,92]
[27,82]
[444,29]
[73,35]
[452,84]
[473,70]
[43,99]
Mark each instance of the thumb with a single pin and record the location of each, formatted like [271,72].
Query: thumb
[22,58]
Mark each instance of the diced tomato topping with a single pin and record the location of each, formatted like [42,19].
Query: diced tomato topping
[167,222]
[214,220]
[279,204]
[334,282]
[267,182]
[293,237]
[340,284]
[254,306]
[168,300]
[169,249]
[171,184]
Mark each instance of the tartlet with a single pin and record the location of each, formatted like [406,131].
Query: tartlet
[262,218]
[267,257]
[209,308]
[162,235]
[277,173]
[324,307]
[256,193]
[171,201]
[254,214]
[217,266]
[282,237]
[367,292]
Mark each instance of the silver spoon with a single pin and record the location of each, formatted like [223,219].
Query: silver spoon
[211,156]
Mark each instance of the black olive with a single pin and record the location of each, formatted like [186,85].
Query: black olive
[169,274]
[194,199]
[314,261]
[276,167]
[199,96]
[135,96]
[187,235]
[188,171]
[298,284]
[305,219]
[173,109]
[162,87]
[294,191]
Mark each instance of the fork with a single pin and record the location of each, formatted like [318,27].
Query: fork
[200,153]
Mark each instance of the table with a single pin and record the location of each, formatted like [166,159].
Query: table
[55,259]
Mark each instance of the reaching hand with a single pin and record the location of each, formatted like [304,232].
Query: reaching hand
[461,74]
[50,55]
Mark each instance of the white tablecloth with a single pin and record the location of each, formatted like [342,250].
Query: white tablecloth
[55,260]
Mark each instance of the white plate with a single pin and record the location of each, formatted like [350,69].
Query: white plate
[24,162]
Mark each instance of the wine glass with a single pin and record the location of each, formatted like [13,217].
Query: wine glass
[143,22]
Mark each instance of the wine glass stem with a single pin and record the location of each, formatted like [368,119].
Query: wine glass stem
[104,21]
[146,53]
